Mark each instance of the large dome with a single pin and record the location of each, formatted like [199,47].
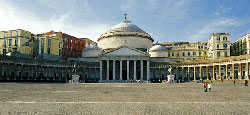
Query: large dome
[157,47]
[158,51]
[125,34]
[92,47]
[126,26]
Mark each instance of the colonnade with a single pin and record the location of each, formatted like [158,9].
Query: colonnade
[227,71]
[128,68]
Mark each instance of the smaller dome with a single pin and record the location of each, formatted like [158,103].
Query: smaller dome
[92,47]
[157,48]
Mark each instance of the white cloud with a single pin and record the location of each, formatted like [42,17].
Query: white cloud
[180,2]
[15,18]
[217,26]
[222,10]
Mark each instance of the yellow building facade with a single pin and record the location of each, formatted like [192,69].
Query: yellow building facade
[185,50]
[16,41]
[50,45]
[217,46]
[241,46]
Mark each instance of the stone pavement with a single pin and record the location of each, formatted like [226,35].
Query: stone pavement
[184,98]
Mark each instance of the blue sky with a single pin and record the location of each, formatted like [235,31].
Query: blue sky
[164,20]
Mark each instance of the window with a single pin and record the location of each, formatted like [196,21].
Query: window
[225,54]
[10,42]
[172,54]
[218,38]
[4,35]
[48,50]
[42,42]
[218,54]
[16,42]
[175,44]
[224,38]
[199,47]
[10,35]
[49,42]
[26,34]
[60,44]
[205,53]
[4,43]
[168,54]
[218,46]
[183,53]
[199,53]
[188,53]
[16,33]
[4,51]
[178,54]
[225,45]
[27,43]
[194,53]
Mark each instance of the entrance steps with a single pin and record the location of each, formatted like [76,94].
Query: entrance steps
[121,81]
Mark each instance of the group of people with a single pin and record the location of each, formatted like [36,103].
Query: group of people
[245,82]
[208,86]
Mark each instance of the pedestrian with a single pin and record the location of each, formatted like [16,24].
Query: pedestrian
[246,82]
[234,82]
[209,86]
[205,86]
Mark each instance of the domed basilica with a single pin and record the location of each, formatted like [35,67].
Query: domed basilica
[124,53]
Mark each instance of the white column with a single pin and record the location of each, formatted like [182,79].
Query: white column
[148,71]
[120,69]
[247,70]
[141,69]
[107,69]
[114,70]
[194,74]
[134,69]
[127,69]
[188,77]
[100,69]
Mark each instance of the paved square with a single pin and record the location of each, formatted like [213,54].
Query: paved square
[186,98]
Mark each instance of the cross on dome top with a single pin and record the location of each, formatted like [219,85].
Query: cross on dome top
[125,15]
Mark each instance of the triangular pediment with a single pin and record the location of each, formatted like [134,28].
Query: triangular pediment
[125,51]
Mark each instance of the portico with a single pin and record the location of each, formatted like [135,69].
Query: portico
[124,64]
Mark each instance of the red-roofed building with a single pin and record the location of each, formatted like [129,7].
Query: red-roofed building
[72,46]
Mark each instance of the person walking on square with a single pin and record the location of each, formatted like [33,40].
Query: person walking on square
[245,82]
[205,86]
[209,86]
[234,82]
